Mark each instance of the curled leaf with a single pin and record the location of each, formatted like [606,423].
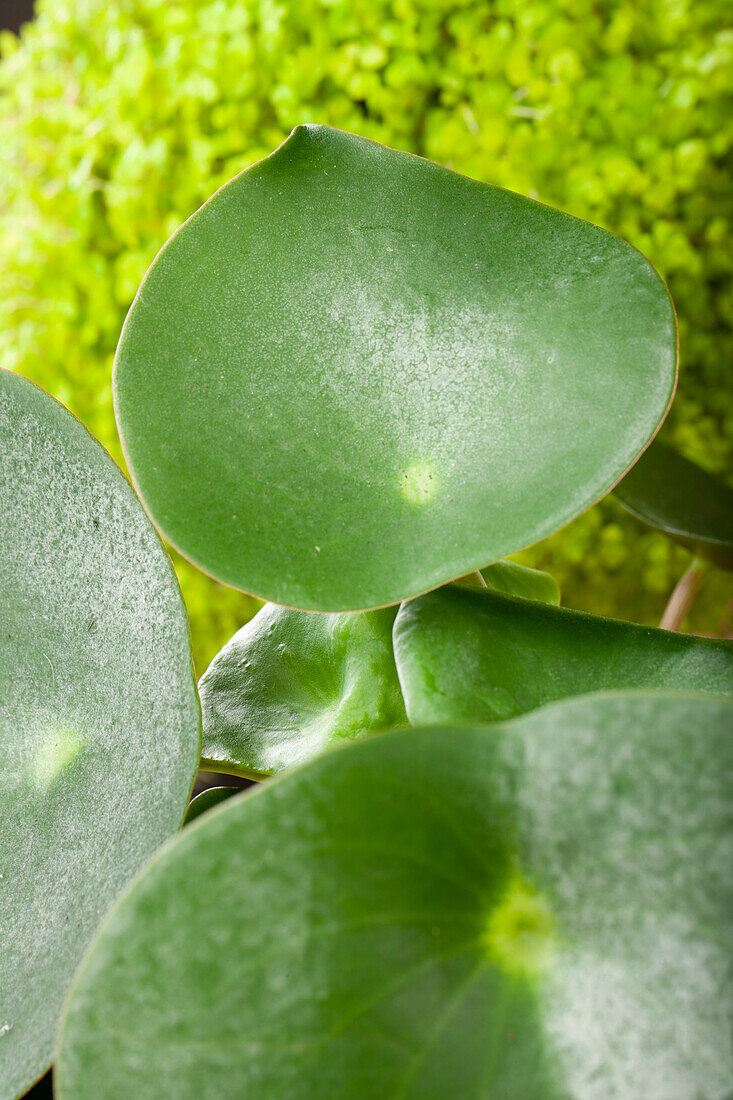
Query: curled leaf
[466,655]
[289,683]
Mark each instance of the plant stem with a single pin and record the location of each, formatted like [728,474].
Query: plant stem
[680,602]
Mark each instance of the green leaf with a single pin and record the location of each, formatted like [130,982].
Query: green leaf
[354,375]
[466,655]
[669,492]
[206,800]
[553,923]
[290,682]
[518,580]
[99,720]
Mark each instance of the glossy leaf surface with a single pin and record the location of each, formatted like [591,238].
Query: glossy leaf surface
[99,721]
[206,800]
[552,924]
[354,375]
[472,655]
[512,579]
[290,682]
[667,491]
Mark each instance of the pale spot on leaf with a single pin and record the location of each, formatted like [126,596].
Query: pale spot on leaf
[520,932]
[57,751]
[418,483]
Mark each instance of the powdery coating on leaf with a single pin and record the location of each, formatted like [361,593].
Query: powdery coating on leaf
[98,713]
[370,375]
[625,778]
[606,1013]
[54,754]
[352,931]
[464,373]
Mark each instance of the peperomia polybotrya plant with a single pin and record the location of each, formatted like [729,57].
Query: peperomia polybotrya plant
[350,384]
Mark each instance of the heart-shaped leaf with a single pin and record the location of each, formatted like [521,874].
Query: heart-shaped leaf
[515,580]
[99,719]
[553,924]
[676,496]
[354,375]
[469,655]
[290,682]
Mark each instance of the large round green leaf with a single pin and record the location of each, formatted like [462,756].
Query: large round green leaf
[291,682]
[676,496]
[472,655]
[99,720]
[353,375]
[554,924]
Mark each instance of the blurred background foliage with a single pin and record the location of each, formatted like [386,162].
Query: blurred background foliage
[118,118]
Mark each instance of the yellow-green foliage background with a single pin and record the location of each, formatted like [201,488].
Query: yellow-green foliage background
[119,117]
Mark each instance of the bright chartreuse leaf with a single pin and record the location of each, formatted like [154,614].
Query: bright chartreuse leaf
[512,579]
[667,491]
[552,923]
[290,682]
[353,375]
[99,721]
[472,655]
[206,800]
